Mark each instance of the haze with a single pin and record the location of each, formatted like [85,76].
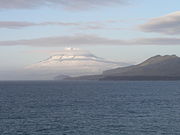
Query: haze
[123,31]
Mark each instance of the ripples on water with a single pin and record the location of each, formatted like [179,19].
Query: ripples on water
[90,108]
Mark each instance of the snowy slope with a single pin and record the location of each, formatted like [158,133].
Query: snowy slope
[74,62]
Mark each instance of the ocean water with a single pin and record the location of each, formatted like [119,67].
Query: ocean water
[90,108]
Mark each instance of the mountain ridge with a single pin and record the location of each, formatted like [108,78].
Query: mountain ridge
[155,68]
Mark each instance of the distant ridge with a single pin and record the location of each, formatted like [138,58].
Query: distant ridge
[155,68]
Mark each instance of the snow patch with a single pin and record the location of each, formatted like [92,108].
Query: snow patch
[74,62]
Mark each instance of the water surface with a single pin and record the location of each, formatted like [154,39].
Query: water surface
[90,108]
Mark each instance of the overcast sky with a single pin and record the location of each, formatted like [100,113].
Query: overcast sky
[122,30]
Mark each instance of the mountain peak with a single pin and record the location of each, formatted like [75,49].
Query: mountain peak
[71,49]
[73,62]
[165,56]
[155,68]
[158,58]
[72,54]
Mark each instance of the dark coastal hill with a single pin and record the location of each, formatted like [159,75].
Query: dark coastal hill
[155,68]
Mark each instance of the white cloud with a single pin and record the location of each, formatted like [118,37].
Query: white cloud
[168,24]
[96,25]
[21,24]
[68,4]
[78,40]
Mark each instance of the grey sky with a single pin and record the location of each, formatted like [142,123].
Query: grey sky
[68,4]
[168,24]
[76,40]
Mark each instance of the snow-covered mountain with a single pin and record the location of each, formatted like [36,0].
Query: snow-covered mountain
[73,62]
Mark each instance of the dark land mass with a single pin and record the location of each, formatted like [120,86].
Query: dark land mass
[155,68]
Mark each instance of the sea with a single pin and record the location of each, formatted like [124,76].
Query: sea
[90,108]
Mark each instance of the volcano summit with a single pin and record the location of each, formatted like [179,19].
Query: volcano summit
[73,62]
